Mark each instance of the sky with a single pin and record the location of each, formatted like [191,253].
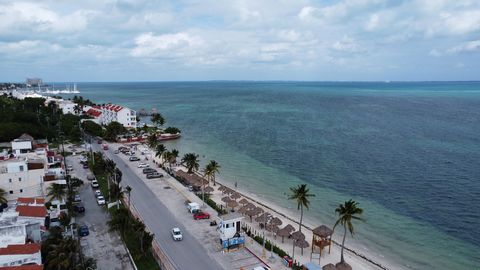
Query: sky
[147,40]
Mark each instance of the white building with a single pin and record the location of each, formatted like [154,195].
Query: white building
[116,113]
[229,229]
[22,144]
[16,255]
[67,107]
[22,178]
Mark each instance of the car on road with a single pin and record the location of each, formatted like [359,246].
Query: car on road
[261,268]
[97,193]
[134,158]
[154,175]
[77,198]
[94,184]
[83,230]
[201,215]
[116,152]
[149,170]
[143,165]
[85,166]
[91,177]
[100,200]
[79,208]
[177,234]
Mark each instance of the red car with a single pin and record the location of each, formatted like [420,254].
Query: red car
[201,215]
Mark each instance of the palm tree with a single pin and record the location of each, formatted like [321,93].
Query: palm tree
[300,194]
[190,160]
[166,157]
[3,197]
[157,119]
[214,168]
[56,191]
[152,141]
[159,150]
[174,156]
[64,255]
[120,221]
[346,212]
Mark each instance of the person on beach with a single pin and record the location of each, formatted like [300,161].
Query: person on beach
[235,184]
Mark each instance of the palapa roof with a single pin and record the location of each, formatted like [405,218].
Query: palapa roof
[243,201]
[343,266]
[242,210]
[192,179]
[232,204]
[322,231]
[289,228]
[208,189]
[272,228]
[329,266]
[298,235]
[283,232]
[226,199]
[276,221]
[301,243]
[235,195]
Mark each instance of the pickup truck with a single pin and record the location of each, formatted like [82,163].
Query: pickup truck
[149,170]
[154,175]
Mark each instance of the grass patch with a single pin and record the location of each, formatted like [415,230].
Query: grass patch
[213,204]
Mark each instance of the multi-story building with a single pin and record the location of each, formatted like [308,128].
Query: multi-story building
[21,177]
[116,113]
[16,255]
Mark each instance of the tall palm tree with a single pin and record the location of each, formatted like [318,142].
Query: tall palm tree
[152,141]
[3,197]
[174,156]
[207,172]
[159,150]
[166,157]
[300,194]
[157,119]
[214,168]
[64,255]
[190,160]
[56,191]
[128,189]
[346,212]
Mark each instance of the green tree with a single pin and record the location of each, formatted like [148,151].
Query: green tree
[346,213]
[113,130]
[120,221]
[174,156]
[92,128]
[172,130]
[157,119]
[63,255]
[160,150]
[56,191]
[214,168]
[190,160]
[152,141]
[128,189]
[300,194]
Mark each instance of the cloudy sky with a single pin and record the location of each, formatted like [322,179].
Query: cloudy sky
[134,40]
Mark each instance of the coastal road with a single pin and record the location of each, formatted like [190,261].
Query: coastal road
[188,254]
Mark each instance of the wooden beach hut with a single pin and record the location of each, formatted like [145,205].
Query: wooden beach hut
[322,237]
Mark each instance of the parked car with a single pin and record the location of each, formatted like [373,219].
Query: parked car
[85,166]
[79,208]
[116,152]
[201,215]
[154,175]
[134,158]
[97,193]
[83,230]
[94,184]
[177,234]
[77,198]
[100,200]
[99,141]
[143,165]
[149,170]
[261,268]
[91,177]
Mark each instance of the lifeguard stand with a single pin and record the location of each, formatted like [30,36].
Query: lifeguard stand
[322,237]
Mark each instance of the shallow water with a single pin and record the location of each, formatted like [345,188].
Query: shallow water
[408,152]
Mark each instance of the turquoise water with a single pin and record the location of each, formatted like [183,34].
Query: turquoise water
[408,152]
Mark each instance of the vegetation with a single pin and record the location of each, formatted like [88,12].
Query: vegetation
[33,117]
[82,102]
[157,119]
[172,130]
[56,191]
[190,160]
[300,194]
[152,140]
[346,213]
[93,128]
[210,170]
[113,130]
[159,150]
[213,204]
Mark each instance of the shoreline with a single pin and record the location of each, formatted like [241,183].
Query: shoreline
[279,210]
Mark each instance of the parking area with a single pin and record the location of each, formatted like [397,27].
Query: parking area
[105,246]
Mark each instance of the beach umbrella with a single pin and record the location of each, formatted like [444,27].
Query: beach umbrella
[221,188]
[289,228]
[272,228]
[298,235]
[283,233]
[343,266]
[250,205]
[276,221]
[263,218]
[226,199]
[232,204]
[242,210]
[329,266]
[209,189]
[244,201]
[252,212]
[301,243]
[235,196]
[260,209]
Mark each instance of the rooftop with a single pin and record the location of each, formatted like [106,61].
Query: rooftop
[113,107]
[231,216]
[23,267]
[24,200]
[31,211]
[20,249]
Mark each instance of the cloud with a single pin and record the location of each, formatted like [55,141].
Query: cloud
[166,46]
[466,47]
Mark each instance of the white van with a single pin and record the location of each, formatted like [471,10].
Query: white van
[193,207]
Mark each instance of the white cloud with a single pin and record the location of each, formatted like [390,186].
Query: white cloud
[347,44]
[168,45]
[470,46]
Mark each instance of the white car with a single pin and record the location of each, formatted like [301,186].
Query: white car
[100,200]
[177,234]
[98,193]
[94,184]
[143,165]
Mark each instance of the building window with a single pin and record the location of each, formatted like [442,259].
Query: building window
[19,179]
[21,168]
[10,180]
[21,190]
[11,192]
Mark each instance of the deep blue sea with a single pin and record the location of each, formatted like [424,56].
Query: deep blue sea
[409,153]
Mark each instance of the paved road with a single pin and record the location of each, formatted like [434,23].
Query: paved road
[105,246]
[188,254]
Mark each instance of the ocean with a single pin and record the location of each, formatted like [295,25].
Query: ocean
[409,153]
